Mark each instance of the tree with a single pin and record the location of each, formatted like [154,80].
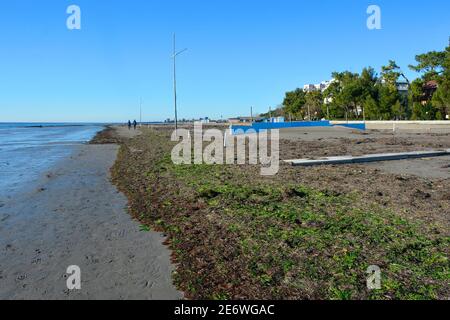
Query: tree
[331,94]
[397,110]
[352,94]
[388,97]
[368,81]
[345,92]
[314,102]
[378,97]
[441,98]
[434,65]
[294,102]
[390,74]
[416,97]
[430,64]
[372,109]
[278,112]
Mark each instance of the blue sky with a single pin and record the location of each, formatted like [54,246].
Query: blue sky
[242,53]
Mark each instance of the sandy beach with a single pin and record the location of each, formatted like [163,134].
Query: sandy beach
[280,237]
[74,216]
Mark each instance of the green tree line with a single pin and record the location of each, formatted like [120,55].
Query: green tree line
[372,96]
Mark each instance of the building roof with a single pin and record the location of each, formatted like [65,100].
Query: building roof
[431,85]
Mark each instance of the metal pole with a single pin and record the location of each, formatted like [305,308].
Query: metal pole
[175,54]
[140,113]
[175,80]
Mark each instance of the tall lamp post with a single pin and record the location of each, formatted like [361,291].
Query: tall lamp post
[174,57]
[140,112]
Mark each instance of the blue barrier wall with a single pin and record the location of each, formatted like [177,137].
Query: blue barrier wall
[359,126]
[262,126]
[244,129]
[257,127]
[299,124]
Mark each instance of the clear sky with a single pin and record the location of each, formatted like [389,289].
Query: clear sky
[242,53]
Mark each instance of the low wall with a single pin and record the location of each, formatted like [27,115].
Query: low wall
[438,126]
[256,127]
[398,125]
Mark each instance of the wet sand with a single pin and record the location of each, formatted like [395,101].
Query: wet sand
[75,216]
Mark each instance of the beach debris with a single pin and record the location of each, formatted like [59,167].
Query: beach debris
[136,150]
[422,195]
[21,277]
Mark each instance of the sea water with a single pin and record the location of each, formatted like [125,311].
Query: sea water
[27,150]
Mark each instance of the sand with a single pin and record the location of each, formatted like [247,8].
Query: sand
[338,141]
[433,168]
[75,216]
[198,209]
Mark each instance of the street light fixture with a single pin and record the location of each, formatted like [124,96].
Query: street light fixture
[174,57]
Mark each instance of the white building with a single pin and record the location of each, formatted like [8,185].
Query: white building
[309,87]
[318,87]
[277,120]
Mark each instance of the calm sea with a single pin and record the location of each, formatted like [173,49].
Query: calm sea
[29,149]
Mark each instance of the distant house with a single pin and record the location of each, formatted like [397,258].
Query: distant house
[403,87]
[276,120]
[429,89]
[240,120]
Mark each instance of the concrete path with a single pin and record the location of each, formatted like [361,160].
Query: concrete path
[368,158]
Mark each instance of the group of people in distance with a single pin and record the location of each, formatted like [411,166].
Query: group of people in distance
[130,124]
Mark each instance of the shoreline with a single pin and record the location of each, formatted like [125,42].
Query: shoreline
[75,216]
[28,157]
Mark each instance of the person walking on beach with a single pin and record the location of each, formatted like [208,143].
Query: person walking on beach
[134,124]
[129,125]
